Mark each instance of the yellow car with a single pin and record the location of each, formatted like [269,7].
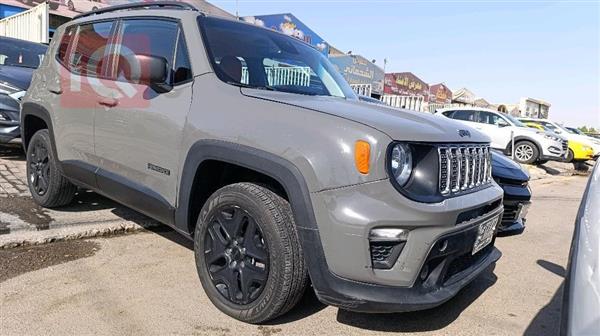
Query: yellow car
[577,150]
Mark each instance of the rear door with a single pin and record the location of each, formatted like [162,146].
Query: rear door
[138,131]
[74,88]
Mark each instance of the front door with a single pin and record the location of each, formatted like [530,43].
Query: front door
[138,131]
[494,126]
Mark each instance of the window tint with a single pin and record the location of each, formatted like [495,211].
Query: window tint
[246,55]
[182,71]
[490,118]
[145,37]
[65,41]
[464,115]
[88,57]
[21,53]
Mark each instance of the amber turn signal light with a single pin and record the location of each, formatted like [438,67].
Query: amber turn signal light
[362,153]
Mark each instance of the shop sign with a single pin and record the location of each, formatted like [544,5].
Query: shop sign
[359,70]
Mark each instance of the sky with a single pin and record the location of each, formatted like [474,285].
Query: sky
[500,50]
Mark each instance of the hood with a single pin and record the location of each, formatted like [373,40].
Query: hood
[504,167]
[17,76]
[396,123]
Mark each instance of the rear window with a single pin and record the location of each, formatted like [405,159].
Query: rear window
[90,49]
[14,52]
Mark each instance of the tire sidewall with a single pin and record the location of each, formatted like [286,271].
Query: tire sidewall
[44,137]
[535,155]
[254,310]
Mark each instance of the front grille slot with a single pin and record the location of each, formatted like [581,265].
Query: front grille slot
[463,167]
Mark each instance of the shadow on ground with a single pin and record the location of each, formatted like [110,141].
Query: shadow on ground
[426,320]
[547,321]
[12,153]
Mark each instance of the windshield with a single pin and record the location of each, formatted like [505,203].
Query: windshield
[21,53]
[515,121]
[250,56]
[575,131]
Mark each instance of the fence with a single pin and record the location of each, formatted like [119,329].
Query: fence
[31,25]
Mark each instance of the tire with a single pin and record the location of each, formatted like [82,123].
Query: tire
[71,6]
[48,187]
[220,261]
[570,156]
[53,5]
[526,152]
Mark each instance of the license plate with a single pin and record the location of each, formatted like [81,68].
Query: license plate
[485,234]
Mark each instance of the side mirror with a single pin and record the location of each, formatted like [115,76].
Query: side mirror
[148,70]
[503,124]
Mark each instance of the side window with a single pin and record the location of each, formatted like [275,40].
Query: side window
[65,42]
[147,37]
[90,50]
[464,115]
[182,71]
[488,118]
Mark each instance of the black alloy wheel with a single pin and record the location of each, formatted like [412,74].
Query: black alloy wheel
[39,168]
[236,255]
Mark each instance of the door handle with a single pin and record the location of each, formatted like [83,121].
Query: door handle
[56,91]
[109,102]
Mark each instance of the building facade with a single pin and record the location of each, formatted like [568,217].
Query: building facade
[533,108]
[440,96]
[405,90]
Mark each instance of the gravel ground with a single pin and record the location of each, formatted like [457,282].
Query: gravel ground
[146,284]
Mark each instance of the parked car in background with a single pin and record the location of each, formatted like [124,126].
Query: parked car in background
[514,180]
[581,294]
[280,180]
[83,6]
[578,151]
[531,146]
[562,131]
[53,4]
[18,60]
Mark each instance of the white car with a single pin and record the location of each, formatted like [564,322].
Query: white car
[559,129]
[531,145]
[83,6]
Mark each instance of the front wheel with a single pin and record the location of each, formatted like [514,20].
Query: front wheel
[570,156]
[248,255]
[526,152]
[48,187]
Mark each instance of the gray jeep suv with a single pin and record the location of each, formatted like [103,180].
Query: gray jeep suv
[249,143]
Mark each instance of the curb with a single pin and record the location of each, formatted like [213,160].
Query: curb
[78,232]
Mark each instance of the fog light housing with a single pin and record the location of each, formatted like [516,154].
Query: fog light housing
[385,246]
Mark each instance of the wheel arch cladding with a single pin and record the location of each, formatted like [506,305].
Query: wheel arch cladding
[34,118]
[280,169]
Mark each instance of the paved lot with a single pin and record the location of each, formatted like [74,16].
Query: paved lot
[146,283]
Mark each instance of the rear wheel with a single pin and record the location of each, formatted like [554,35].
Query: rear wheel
[526,152]
[248,255]
[47,185]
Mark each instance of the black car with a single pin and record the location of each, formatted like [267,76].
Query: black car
[18,60]
[517,194]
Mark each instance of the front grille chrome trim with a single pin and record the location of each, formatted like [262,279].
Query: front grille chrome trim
[463,167]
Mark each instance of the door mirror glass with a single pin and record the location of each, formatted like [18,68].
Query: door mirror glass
[502,123]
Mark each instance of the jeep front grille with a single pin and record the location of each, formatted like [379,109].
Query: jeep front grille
[464,167]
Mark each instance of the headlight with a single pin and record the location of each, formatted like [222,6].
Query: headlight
[7,88]
[551,137]
[401,163]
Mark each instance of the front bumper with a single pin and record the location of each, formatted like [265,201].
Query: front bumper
[517,200]
[339,255]
[448,272]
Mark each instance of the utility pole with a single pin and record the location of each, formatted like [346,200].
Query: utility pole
[237,15]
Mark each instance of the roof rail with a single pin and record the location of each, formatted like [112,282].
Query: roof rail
[141,5]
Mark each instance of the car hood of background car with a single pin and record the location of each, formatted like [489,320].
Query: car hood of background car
[504,167]
[17,76]
[397,124]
